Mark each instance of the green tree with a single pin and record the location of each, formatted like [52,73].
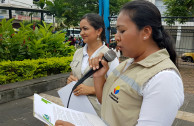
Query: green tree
[70,11]
[41,3]
[179,8]
[115,6]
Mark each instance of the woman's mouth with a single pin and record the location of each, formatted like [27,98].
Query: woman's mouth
[84,37]
[119,48]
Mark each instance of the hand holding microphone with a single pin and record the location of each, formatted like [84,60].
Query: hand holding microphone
[100,65]
[97,63]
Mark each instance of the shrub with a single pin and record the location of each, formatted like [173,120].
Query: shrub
[31,44]
[13,71]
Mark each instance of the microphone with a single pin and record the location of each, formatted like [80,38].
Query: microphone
[109,56]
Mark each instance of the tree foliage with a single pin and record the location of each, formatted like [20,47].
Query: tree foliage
[70,11]
[115,6]
[179,8]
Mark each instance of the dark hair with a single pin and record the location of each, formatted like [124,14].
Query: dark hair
[144,13]
[97,22]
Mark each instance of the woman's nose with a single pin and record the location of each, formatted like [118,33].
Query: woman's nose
[117,38]
[81,32]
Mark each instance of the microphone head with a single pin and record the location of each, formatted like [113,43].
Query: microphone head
[110,55]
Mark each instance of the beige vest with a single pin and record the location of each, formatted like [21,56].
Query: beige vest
[76,65]
[122,92]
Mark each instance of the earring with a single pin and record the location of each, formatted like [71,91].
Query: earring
[98,38]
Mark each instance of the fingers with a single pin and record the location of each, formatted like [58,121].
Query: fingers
[74,78]
[59,122]
[63,123]
[71,78]
[82,90]
[94,62]
[78,90]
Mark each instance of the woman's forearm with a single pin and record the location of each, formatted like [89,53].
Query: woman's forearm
[98,85]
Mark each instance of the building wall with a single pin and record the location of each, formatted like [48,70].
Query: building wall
[25,3]
[22,15]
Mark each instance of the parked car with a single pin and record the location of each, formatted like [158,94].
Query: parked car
[188,57]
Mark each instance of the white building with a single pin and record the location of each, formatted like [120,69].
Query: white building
[182,33]
[22,15]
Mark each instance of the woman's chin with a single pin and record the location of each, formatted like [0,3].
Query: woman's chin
[125,54]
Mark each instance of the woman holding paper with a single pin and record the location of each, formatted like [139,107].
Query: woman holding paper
[146,89]
[93,34]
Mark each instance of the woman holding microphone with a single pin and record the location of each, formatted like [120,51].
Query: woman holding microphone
[146,89]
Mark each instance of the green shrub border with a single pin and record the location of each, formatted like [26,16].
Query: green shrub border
[14,71]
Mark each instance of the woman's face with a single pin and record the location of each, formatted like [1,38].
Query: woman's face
[88,33]
[128,37]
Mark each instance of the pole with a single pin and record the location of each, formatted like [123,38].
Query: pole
[42,18]
[106,20]
[100,8]
[10,14]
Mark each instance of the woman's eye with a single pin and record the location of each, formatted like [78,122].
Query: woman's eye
[85,28]
[122,31]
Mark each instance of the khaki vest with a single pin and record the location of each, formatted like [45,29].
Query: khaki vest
[122,92]
[76,65]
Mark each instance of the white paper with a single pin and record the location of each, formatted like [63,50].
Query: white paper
[49,112]
[79,103]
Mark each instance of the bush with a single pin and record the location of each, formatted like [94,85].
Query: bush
[13,71]
[31,44]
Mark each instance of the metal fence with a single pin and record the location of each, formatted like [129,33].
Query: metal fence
[182,30]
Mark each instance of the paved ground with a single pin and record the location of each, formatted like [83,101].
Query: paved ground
[20,112]
[187,73]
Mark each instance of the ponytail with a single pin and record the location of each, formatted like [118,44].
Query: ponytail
[164,40]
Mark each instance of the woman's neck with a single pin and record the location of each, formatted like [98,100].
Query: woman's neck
[92,47]
[148,51]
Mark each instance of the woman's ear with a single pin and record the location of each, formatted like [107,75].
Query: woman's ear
[99,31]
[147,32]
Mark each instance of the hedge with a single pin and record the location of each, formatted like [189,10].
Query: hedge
[13,71]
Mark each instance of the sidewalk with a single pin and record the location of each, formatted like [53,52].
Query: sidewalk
[20,112]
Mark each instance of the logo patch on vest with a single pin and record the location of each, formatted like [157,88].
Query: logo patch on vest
[113,95]
[116,90]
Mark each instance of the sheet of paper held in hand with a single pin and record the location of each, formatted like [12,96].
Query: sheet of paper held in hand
[79,103]
[48,112]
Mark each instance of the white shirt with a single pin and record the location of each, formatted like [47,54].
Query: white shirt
[163,95]
[117,52]
[85,62]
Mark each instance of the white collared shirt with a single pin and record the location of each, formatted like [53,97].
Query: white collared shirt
[163,95]
[85,62]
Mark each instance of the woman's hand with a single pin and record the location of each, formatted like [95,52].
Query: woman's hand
[63,123]
[84,90]
[94,64]
[71,78]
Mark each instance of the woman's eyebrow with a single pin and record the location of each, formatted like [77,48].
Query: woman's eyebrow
[119,26]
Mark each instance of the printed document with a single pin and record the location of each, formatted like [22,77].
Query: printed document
[79,103]
[48,112]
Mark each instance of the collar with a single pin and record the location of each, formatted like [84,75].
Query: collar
[85,50]
[85,53]
[154,58]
